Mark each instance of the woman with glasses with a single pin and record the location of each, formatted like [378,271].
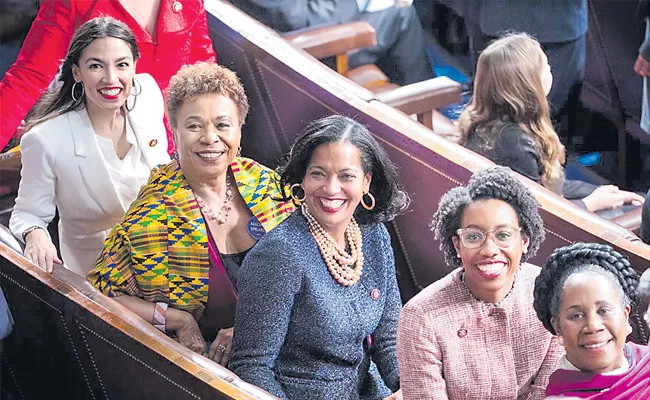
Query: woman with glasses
[586,294]
[474,333]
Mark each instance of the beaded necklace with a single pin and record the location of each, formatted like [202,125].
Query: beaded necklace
[222,217]
[338,261]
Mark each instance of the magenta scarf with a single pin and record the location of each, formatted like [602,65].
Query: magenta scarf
[631,385]
[222,295]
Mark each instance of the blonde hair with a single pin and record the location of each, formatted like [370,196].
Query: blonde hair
[508,88]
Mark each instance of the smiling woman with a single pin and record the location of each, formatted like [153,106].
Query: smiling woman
[474,333]
[174,259]
[86,152]
[584,295]
[325,325]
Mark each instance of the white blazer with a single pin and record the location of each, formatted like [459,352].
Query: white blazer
[63,168]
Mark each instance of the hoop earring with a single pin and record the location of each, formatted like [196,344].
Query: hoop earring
[137,86]
[293,196]
[239,151]
[74,86]
[126,105]
[372,201]
[136,89]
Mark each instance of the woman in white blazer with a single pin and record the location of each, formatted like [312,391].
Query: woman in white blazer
[93,141]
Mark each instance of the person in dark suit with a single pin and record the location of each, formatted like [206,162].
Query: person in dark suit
[400,51]
[318,298]
[559,26]
[642,66]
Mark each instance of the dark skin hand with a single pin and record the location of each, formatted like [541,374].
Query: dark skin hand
[221,347]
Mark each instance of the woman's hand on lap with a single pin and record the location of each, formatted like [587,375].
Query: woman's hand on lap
[221,346]
[189,335]
[40,250]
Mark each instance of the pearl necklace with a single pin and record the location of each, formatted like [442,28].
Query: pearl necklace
[222,217]
[338,261]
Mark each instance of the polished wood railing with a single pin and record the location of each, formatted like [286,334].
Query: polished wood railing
[71,341]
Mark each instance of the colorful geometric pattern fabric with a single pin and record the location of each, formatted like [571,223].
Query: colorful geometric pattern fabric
[159,252]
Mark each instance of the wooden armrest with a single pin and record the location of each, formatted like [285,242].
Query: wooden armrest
[422,96]
[368,76]
[322,42]
[631,220]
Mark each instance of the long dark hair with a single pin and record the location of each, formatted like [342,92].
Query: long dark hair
[58,100]
[390,199]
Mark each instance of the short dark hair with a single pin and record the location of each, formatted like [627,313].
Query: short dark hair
[390,200]
[58,100]
[497,183]
[581,257]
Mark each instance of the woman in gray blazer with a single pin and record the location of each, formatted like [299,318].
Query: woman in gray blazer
[94,139]
[318,299]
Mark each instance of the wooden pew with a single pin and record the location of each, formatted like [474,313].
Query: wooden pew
[72,341]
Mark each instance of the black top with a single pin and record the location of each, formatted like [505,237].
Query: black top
[515,148]
[233,262]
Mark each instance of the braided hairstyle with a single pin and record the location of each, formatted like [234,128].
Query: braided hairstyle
[581,257]
[498,183]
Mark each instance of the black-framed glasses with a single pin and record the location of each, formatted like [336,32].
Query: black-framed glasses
[473,238]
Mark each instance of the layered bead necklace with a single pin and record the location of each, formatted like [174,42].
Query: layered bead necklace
[338,261]
[222,217]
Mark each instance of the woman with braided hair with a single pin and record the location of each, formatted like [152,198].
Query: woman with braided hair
[474,333]
[584,295]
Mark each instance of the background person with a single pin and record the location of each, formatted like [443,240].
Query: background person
[325,325]
[643,292]
[474,333]
[400,51]
[584,295]
[96,136]
[559,25]
[169,34]
[174,259]
[508,121]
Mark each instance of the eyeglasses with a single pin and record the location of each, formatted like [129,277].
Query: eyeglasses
[473,238]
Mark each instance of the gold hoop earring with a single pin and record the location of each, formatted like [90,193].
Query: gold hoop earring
[293,196]
[372,201]
[74,86]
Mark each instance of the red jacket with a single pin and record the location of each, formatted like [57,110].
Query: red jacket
[181,38]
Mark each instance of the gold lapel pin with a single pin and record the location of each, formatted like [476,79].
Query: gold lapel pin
[153,142]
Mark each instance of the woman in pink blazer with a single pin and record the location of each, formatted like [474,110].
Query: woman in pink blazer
[474,334]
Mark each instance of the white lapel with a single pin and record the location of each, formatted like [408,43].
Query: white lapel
[147,121]
[92,166]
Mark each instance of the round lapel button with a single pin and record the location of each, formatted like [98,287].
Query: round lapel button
[375,294]
[177,6]
[153,143]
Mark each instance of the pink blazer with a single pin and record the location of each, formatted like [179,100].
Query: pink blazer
[451,346]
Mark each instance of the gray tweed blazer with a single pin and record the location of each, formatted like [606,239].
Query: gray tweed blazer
[301,335]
